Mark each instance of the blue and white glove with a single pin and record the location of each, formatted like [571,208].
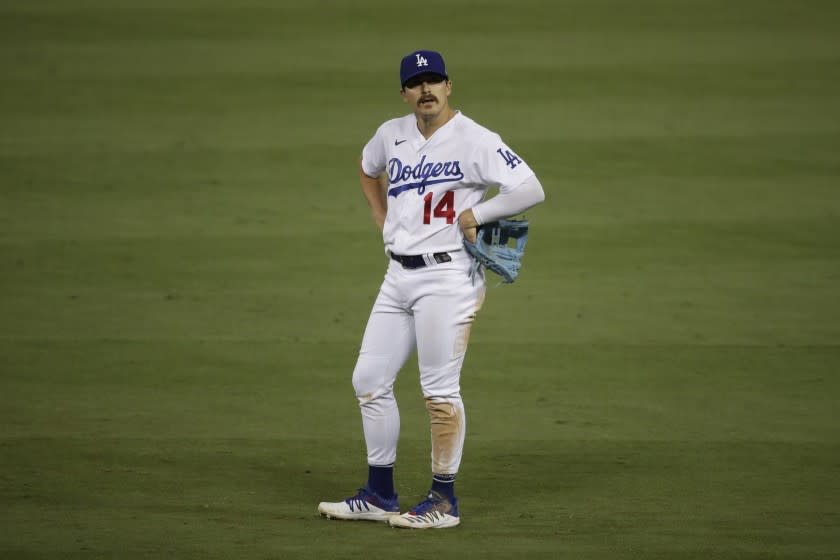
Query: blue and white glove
[499,247]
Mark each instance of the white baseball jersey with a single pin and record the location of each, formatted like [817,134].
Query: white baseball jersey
[432,181]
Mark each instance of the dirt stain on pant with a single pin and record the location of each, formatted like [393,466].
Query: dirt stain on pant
[447,436]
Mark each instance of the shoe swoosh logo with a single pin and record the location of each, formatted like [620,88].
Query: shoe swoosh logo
[398,142]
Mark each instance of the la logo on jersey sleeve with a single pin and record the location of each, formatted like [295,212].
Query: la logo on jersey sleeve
[510,158]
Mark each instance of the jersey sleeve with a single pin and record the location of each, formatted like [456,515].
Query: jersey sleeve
[498,165]
[374,156]
[510,202]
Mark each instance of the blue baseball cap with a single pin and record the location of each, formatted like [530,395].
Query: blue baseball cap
[422,62]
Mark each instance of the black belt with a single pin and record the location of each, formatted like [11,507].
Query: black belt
[417,261]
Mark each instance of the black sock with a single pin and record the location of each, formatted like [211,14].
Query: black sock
[444,484]
[381,480]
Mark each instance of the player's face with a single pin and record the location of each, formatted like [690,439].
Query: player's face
[428,94]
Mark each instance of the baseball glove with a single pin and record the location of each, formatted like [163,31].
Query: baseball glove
[493,251]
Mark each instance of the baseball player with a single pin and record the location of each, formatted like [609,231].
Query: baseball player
[439,166]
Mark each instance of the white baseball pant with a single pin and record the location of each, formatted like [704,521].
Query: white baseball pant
[431,309]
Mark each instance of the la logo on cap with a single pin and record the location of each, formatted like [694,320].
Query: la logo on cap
[420,62]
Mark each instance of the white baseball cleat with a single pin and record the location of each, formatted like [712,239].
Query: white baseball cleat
[364,506]
[435,512]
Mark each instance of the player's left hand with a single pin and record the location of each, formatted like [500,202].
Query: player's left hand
[469,227]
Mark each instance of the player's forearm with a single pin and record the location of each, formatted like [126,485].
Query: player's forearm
[510,203]
[374,193]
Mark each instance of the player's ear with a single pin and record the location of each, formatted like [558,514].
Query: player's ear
[402,93]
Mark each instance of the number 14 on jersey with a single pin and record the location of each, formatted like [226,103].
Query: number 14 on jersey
[445,208]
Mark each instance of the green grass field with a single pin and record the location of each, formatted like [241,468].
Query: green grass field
[187,265]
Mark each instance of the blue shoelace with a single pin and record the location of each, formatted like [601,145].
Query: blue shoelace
[426,505]
[358,500]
